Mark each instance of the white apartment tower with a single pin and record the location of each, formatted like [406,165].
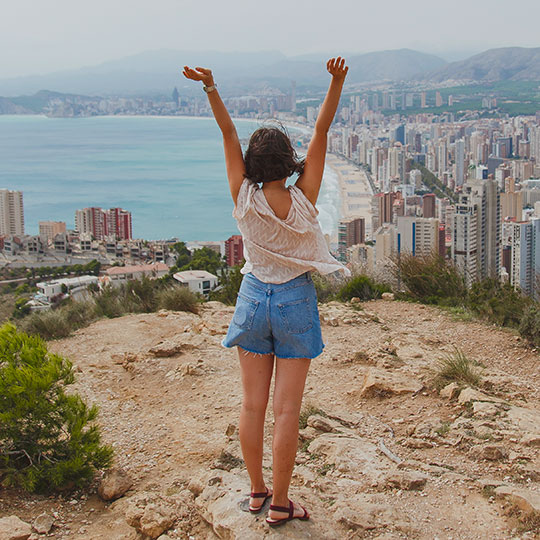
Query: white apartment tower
[11,212]
[460,162]
[476,243]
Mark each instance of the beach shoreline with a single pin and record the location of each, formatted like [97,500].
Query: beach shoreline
[354,190]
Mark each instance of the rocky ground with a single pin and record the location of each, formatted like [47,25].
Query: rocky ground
[383,454]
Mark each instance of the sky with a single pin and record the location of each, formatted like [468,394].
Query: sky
[38,37]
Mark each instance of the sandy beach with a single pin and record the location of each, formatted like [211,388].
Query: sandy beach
[355,190]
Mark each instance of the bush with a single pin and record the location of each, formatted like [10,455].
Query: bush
[230,282]
[79,313]
[498,302]
[109,303]
[178,298]
[51,324]
[430,279]
[456,367]
[361,287]
[140,295]
[529,327]
[327,287]
[48,439]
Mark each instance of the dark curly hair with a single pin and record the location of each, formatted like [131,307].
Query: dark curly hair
[270,156]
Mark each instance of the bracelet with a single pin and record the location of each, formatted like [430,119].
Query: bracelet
[209,89]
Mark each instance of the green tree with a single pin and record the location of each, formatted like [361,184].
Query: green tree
[183,254]
[230,282]
[205,259]
[48,438]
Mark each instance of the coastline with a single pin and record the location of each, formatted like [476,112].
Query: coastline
[354,190]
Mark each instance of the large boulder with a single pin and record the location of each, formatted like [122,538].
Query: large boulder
[151,514]
[13,528]
[114,484]
[381,383]
[526,500]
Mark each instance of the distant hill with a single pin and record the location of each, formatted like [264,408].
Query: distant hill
[506,64]
[157,72]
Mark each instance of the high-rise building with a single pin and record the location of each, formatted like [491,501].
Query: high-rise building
[234,250]
[49,229]
[438,99]
[460,162]
[476,243]
[350,233]
[417,236]
[429,205]
[11,213]
[100,223]
[119,223]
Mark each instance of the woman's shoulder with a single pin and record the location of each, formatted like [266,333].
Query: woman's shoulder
[244,195]
[300,200]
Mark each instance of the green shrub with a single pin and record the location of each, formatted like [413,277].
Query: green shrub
[79,313]
[456,367]
[430,279]
[109,302]
[178,298]
[48,439]
[498,302]
[140,295]
[361,287]
[529,327]
[327,287]
[229,282]
[50,324]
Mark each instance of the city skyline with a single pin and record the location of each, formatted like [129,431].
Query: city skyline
[45,38]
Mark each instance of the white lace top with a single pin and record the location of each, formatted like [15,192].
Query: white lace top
[278,250]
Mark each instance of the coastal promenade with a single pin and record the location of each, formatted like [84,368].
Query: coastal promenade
[355,190]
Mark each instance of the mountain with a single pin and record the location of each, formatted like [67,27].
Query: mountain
[505,64]
[156,72]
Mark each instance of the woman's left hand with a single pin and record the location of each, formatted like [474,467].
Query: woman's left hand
[199,74]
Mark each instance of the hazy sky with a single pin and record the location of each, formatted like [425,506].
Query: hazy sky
[38,36]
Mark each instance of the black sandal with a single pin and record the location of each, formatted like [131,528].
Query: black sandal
[290,510]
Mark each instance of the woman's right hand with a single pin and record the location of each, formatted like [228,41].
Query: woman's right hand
[337,68]
[199,74]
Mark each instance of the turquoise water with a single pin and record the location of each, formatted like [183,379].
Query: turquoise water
[169,172]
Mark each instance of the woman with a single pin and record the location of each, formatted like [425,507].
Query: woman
[276,320]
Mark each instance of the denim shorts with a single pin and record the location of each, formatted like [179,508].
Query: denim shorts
[277,318]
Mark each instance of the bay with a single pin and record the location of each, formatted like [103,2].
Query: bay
[169,172]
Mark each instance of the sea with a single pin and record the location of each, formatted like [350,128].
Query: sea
[169,172]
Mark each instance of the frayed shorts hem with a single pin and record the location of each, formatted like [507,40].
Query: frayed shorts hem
[272,352]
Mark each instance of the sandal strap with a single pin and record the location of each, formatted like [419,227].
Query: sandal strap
[258,495]
[280,508]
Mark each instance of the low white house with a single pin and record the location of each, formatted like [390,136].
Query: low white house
[198,281]
[117,275]
[49,289]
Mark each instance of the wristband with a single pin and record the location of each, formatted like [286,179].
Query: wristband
[209,89]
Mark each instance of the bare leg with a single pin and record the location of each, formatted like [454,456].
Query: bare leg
[289,388]
[256,377]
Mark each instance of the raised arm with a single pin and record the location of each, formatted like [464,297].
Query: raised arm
[310,180]
[233,151]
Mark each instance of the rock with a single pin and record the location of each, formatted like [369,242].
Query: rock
[469,394]
[43,523]
[326,425]
[166,349]
[484,409]
[162,313]
[124,358]
[349,453]
[231,430]
[450,391]
[114,484]
[355,300]
[526,500]
[150,514]
[13,528]
[387,296]
[531,439]
[491,452]
[381,383]
[413,442]
[527,420]
[407,480]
